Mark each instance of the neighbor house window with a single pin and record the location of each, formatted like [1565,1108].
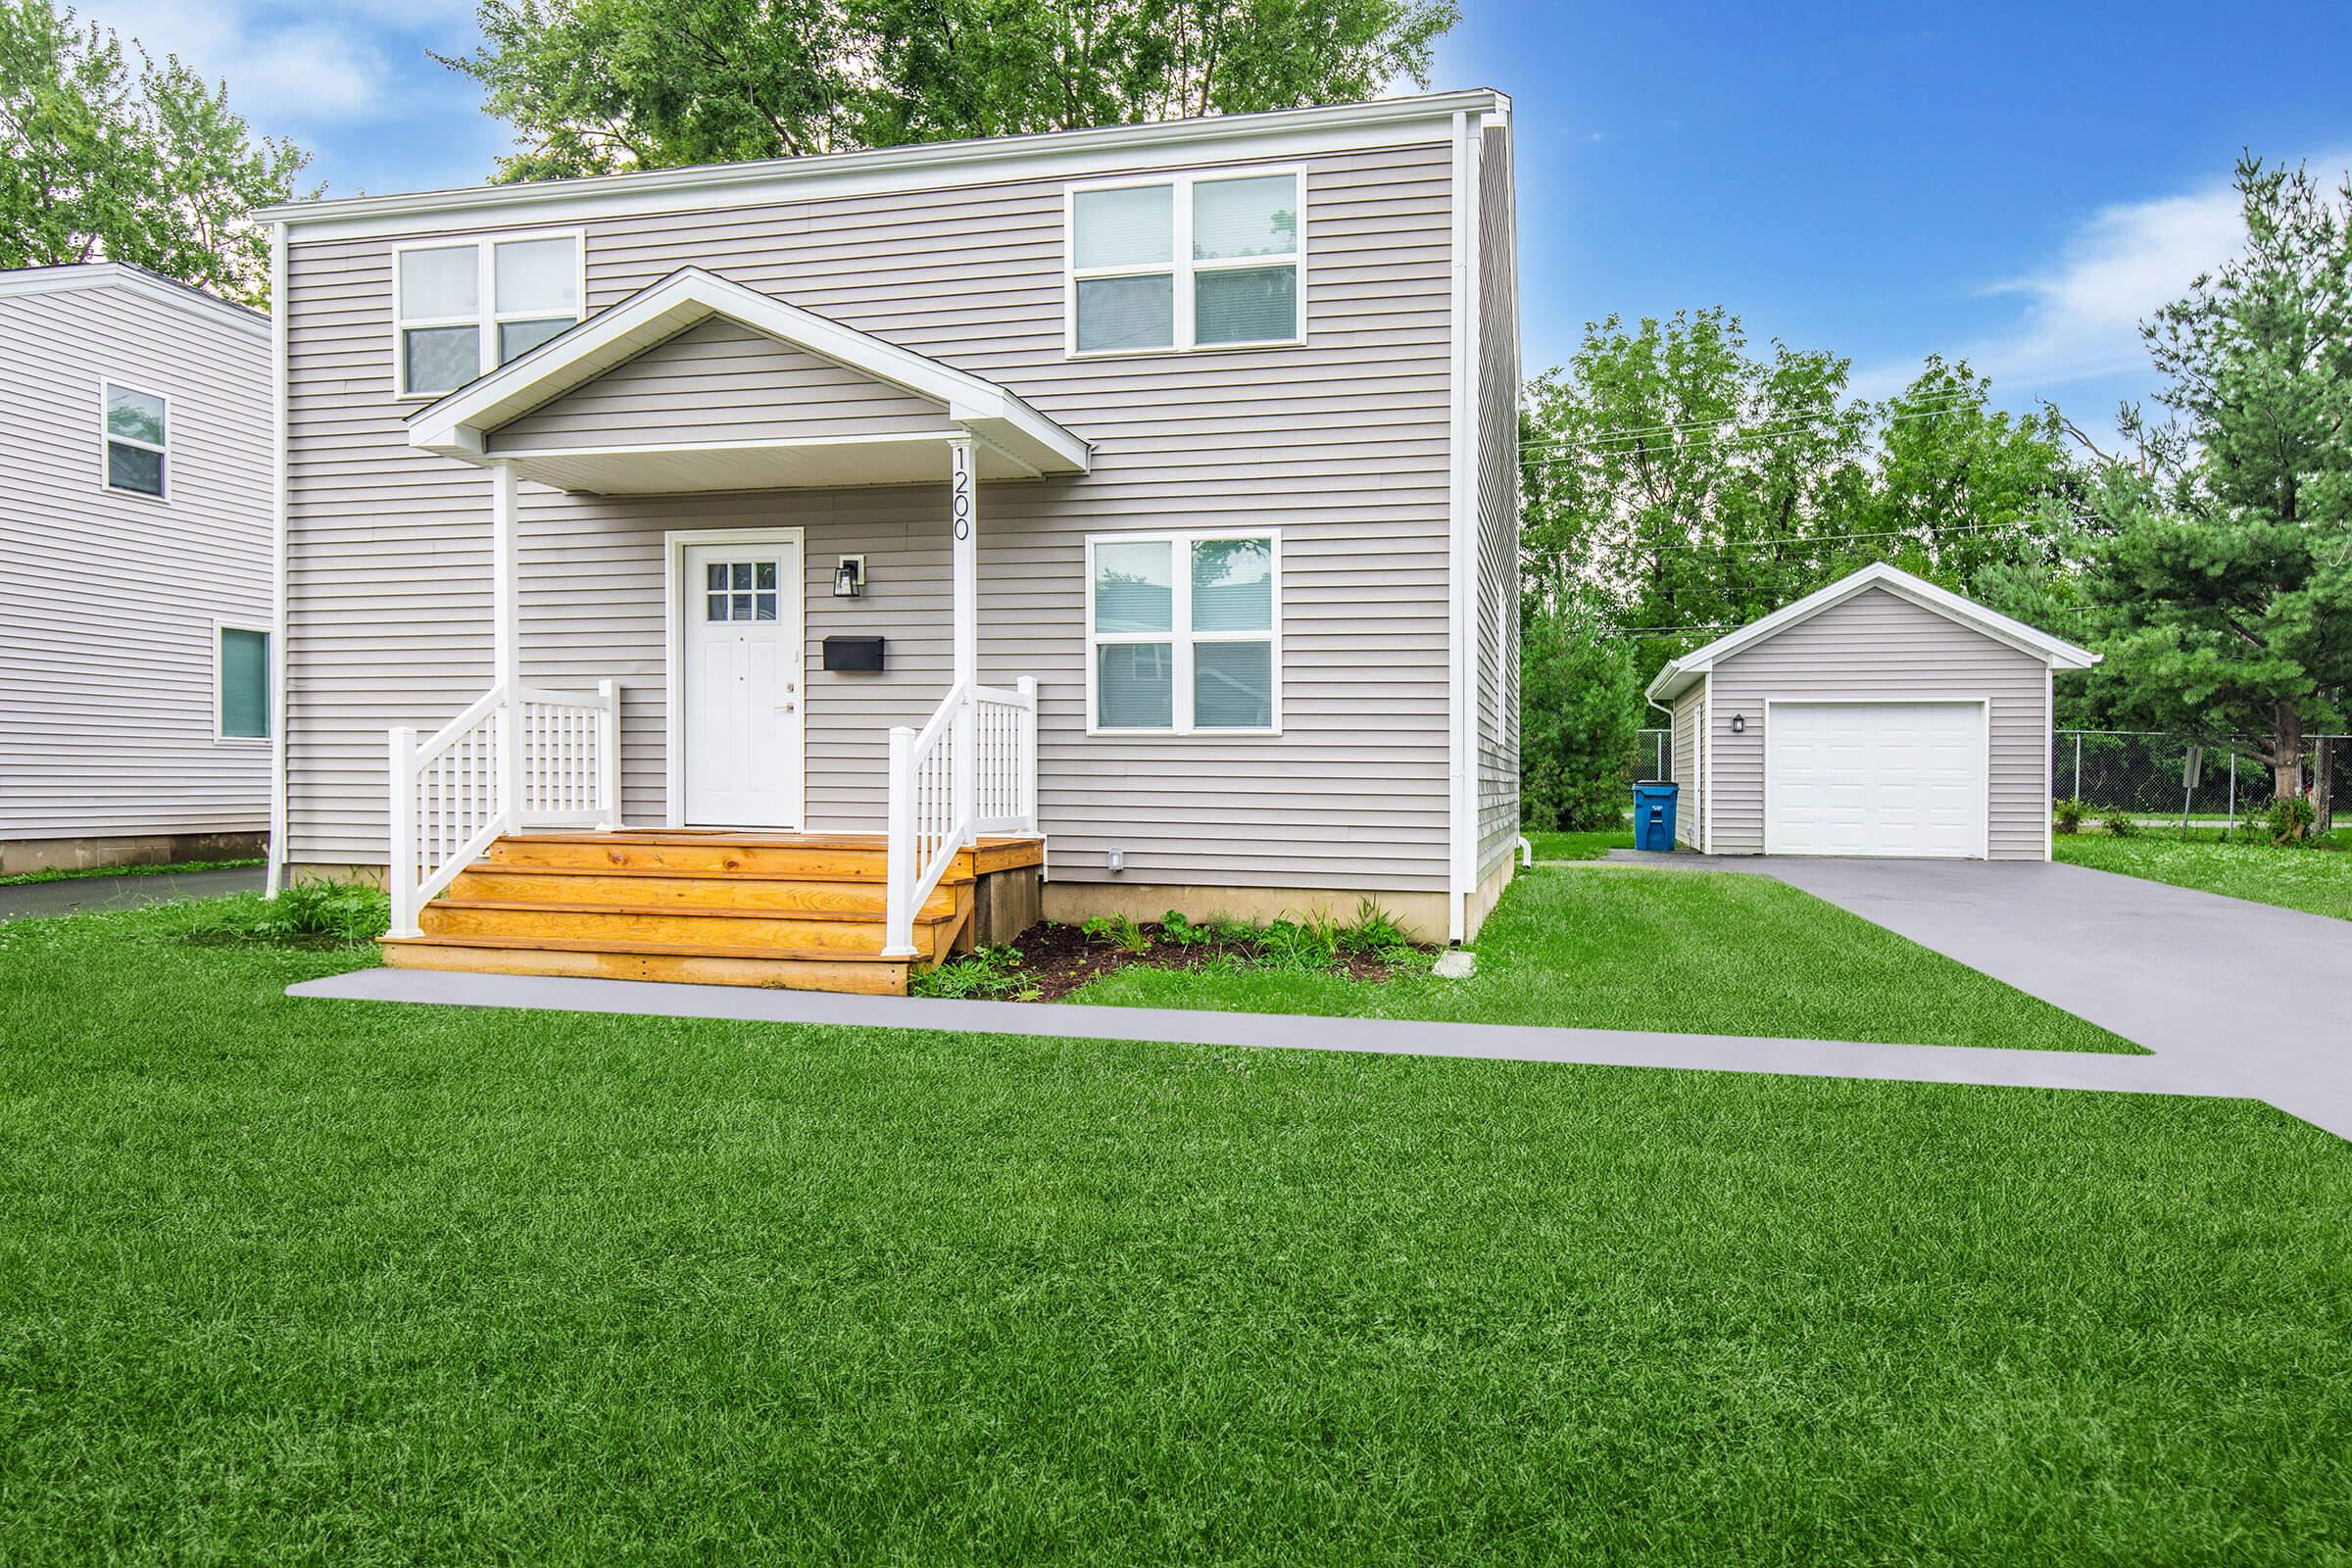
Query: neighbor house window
[1183,633]
[138,437]
[469,308]
[243,679]
[1195,262]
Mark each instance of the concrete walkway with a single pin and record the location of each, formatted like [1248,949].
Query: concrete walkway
[1611,1048]
[80,894]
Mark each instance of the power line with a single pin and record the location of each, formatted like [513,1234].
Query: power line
[1924,408]
[1561,452]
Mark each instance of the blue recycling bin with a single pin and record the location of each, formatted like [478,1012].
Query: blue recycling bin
[1653,815]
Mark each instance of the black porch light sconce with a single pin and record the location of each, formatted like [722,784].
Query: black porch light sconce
[1739,723]
[849,578]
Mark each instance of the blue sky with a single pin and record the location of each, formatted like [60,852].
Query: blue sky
[2019,184]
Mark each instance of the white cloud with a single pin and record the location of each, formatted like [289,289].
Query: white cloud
[283,65]
[2079,313]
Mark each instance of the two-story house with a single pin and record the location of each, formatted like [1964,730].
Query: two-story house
[781,573]
[135,575]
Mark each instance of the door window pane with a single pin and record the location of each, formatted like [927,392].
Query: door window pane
[1135,589]
[129,467]
[244,684]
[135,414]
[1246,218]
[1126,313]
[1133,228]
[439,282]
[441,358]
[1233,585]
[715,607]
[1135,686]
[1232,686]
[520,337]
[537,276]
[1247,304]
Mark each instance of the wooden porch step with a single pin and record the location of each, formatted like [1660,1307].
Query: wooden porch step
[829,857]
[657,887]
[873,975]
[799,933]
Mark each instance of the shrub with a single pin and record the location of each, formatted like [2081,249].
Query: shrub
[984,972]
[308,912]
[1580,722]
[2118,824]
[2067,816]
[1117,931]
[2289,820]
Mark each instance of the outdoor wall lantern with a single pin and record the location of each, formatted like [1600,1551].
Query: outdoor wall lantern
[849,578]
[1739,723]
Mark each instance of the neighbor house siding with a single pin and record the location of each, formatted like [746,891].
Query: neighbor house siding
[1497,455]
[1341,444]
[1691,801]
[1876,645]
[108,601]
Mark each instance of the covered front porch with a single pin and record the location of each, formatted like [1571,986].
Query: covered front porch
[531,771]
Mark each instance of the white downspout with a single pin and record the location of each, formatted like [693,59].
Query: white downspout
[1461,550]
[275,877]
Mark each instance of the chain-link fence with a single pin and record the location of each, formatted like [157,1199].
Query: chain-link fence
[1655,755]
[2147,777]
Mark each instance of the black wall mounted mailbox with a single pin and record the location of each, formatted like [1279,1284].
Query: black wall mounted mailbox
[853,652]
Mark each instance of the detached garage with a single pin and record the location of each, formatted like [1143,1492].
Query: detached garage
[1882,715]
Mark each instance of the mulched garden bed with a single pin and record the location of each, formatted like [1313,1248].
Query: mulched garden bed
[1056,960]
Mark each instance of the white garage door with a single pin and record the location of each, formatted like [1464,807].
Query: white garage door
[1874,778]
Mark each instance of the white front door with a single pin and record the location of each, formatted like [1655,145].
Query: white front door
[1874,778]
[743,681]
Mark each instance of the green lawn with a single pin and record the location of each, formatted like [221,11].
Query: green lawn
[25,878]
[1579,846]
[1694,952]
[2317,881]
[314,1282]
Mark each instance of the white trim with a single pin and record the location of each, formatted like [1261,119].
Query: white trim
[956,165]
[1706,766]
[220,693]
[485,318]
[1461,545]
[456,425]
[279,809]
[1180,636]
[1984,705]
[674,544]
[79,276]
[2056,651]
[2049,764]
[1181,268]
[107,439]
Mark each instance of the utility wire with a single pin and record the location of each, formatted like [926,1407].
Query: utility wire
[1924,408]
[1569,450]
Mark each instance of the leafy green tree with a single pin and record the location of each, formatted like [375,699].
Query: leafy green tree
[592,86]
[1580,706]
[99,162]
[1966,490]
[2227,579]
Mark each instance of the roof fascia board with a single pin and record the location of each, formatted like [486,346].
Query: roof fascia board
[1926,595]
[35,281]
[1063,155]
[455,425]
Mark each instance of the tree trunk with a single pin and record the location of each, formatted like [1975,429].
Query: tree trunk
[2286,752]
[2323,787]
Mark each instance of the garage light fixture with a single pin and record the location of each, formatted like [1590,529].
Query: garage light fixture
[1739,723]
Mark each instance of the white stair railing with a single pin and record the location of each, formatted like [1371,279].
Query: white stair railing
[451,793]
[972,769]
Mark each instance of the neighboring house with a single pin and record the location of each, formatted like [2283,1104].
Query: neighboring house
[1881,715]
[704,481]
[136,570]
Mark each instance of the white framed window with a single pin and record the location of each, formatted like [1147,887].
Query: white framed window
[463,308]
[137,430]
[240,682]
[1186,262]
[1183,633]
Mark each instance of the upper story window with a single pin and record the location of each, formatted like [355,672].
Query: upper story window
[1183,633]
[1191,261]
[465,309]
[138,439]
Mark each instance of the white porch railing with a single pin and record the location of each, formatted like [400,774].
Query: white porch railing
[547,759]
[972,769]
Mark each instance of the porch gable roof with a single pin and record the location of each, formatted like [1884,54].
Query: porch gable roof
[461,425]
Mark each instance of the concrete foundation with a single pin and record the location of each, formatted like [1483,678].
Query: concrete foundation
[18,856]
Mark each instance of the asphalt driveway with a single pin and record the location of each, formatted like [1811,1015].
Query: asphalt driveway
[2253,999]
[79,894]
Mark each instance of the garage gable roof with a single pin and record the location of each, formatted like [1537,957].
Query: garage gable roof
[1679,675]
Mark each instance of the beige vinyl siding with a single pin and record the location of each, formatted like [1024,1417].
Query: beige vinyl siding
[1876,645]
[721,381]
[1496,425]
[1691,801]
[1341,444]
[106,600]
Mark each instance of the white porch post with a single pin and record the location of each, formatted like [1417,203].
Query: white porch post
[964,516]
[506,642]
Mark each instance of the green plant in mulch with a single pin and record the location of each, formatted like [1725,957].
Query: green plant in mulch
[1116,931]
[306,914]
[986,973]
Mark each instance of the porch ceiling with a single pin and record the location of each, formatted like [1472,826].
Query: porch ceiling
[1013,439]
